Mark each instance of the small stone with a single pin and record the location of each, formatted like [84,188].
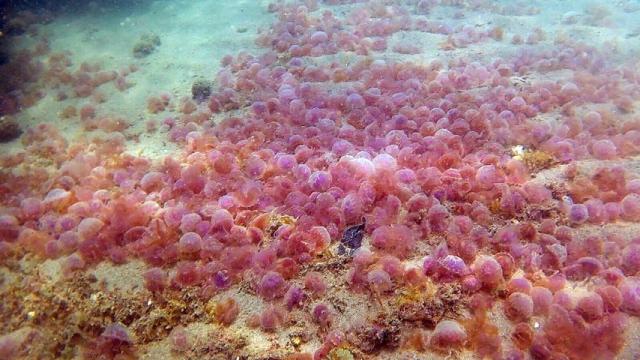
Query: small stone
[9,129]
[146,45]
[351,239]
[201,89]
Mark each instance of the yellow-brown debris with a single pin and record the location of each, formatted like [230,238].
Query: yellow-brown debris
[340,353]
[223,312]
[278,220]
[535,160]
[494,206]
[415,294]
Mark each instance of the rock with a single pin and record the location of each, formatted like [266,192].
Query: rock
[146,45]
[9,129]
[201,89]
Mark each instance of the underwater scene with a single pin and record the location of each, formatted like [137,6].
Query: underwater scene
[320,179]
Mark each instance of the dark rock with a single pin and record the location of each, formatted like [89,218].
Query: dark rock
[16,26]
[351,239]
[9,129]
[4,58]
[201,90]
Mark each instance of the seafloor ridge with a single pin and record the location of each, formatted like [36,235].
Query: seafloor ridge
[321,180]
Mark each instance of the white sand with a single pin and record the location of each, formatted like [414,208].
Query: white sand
[194,35]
